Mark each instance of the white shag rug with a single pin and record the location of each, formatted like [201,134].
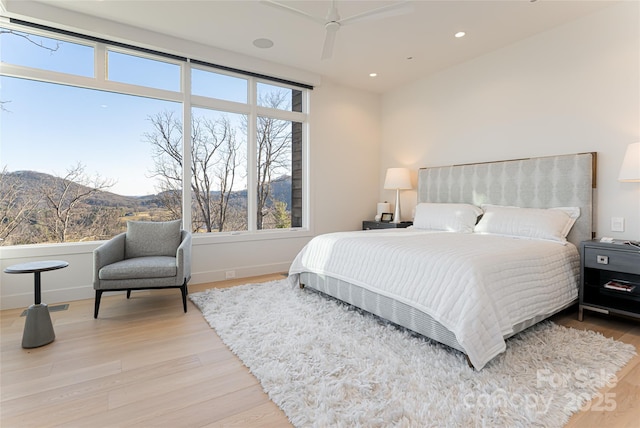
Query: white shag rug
[325,364]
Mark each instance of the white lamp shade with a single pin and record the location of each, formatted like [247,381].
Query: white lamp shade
[397,178]
[630,170]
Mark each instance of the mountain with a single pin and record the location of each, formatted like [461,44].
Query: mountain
[32,182]
[280,191]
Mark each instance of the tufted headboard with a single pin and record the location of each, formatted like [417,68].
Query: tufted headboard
[543,182]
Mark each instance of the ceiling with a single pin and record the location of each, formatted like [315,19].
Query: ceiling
[399,49]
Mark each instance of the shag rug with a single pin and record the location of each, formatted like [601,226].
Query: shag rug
[325,364]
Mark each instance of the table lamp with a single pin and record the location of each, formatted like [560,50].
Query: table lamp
[630,170]
[397,179]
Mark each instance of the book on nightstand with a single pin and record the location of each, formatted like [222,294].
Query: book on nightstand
[619,285]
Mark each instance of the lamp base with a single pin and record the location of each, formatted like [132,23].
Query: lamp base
[396,214]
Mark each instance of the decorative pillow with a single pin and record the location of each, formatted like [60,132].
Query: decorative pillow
[549,224]
[449,217]
[152,238]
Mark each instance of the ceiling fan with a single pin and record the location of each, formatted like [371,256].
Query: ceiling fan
[332,22]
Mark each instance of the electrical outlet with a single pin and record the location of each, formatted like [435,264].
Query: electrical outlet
[230,274]
[617,224]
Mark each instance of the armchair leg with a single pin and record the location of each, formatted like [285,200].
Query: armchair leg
[184,291]
[128,293]
[97,304]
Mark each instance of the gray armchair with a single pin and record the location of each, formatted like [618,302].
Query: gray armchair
[148,255]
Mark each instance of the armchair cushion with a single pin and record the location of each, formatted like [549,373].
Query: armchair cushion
[149,238]
[140,267]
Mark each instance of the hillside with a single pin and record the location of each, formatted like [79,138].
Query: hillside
[33,181]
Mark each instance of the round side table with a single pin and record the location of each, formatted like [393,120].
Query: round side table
[38,329]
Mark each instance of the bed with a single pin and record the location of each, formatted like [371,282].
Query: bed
[493,251]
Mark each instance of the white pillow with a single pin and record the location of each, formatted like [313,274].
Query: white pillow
[549,224]
[449,217]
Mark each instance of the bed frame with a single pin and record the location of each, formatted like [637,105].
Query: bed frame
[543,182]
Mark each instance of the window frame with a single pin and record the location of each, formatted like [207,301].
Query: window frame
[103,61]
[100,82]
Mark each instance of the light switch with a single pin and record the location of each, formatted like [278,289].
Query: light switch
[617,224]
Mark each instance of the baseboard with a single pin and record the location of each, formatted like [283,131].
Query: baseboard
[239,272]
[62,295]
[50,297]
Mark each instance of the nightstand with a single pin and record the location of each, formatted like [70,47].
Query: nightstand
[369,225]
[602,263]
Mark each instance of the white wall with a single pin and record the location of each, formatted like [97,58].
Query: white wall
[344,134]
[575,88]
[345,155]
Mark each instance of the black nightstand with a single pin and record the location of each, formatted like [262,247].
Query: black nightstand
[602,262]
[369,225]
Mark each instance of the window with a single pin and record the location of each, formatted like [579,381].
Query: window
[46,53]
[82,161]
[79,160]
[279,159]
[279,97]
[141,71]
[218,171]
[220,86]
[278,172]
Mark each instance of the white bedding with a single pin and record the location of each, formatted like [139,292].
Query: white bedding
[476,286]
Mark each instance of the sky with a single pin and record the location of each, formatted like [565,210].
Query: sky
[50,128]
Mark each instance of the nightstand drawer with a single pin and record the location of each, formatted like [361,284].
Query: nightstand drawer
[620,261]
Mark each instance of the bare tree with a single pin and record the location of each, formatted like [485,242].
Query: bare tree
[207,138]
[100,223]
[166,145]
[65,196]
[17,206]
[225,170]
[274,151]
[31,39]
[215,160]
[213,165]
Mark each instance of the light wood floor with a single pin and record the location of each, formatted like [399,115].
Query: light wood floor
[145,363]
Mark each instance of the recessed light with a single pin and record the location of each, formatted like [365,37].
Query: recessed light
[460,34]
[373,74]
[263,43]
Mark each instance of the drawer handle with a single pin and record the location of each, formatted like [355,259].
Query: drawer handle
[603,260]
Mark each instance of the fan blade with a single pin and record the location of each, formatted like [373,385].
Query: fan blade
[395,9]
[298,12]
[329,39]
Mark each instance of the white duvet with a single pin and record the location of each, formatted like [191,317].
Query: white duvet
[477,286]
